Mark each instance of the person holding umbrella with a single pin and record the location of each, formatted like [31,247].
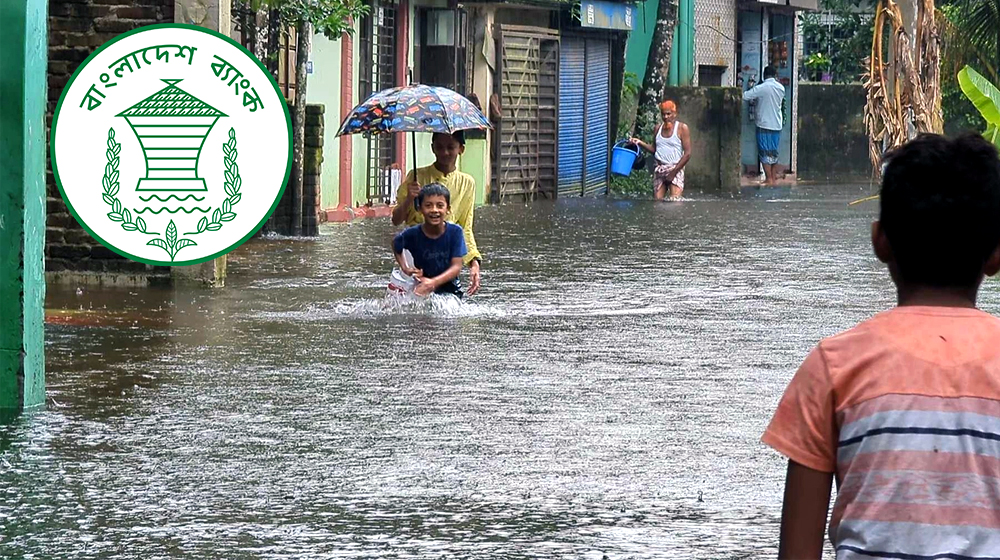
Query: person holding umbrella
[444,171]
[446,114]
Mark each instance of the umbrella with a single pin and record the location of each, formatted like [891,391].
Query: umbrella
[414,108]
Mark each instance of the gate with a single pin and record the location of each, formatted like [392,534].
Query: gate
[585,135]
[525,159]
[378,72]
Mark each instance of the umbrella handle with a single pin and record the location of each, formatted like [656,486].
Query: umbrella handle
[413,140]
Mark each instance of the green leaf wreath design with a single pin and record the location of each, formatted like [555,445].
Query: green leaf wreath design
[171,243]
[233,184]
[111,188]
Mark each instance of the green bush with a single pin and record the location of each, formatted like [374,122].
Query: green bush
[986,98]
[960,114]
[637,185]
[626,112]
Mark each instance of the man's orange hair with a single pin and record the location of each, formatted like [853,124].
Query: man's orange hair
[668,105]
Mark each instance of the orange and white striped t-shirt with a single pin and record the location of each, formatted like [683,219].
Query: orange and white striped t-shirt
[905,410]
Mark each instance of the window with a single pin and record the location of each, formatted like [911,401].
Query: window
[442,48]
[710,76]
[378,72]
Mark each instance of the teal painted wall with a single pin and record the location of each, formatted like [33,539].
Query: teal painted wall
[637,49]
[23,74]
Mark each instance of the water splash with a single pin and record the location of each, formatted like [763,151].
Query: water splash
[390,306]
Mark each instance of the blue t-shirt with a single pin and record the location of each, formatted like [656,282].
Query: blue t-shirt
[433,256]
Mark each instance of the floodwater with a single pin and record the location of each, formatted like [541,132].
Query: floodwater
[621,362]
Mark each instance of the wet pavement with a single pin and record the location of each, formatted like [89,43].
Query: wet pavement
[603,396]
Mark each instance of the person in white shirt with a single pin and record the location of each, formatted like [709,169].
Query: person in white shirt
[768,94]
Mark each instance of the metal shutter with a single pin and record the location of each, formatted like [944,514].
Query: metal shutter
[572,73]
[598,64]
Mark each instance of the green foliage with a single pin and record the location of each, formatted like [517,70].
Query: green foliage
[637,185]
[818,62]
[846,43]
[977,23]
[961,47]
[631,84]
[332,18]
[630,97]
[959,113]
[986,97]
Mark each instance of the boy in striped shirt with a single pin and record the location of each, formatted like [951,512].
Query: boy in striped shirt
[903,410]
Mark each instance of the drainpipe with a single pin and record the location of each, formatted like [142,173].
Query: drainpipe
[690,38]
[674,55]
[683,35]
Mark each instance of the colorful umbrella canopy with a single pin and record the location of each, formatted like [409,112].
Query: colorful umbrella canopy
[414,108]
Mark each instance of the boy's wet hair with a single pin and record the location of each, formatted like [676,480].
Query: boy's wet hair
[458,135]
[940,209]
[433,189]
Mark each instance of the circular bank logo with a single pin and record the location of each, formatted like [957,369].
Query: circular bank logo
[171,144]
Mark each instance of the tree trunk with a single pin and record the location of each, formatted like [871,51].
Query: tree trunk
[304,34]
[654,83]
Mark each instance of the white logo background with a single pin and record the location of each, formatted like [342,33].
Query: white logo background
[80,139]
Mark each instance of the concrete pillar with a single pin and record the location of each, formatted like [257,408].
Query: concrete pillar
[795,58]
[210,14]
[23,68]
[214,15]
[483,18]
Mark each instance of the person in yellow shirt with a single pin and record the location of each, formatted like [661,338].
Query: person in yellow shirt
[446,148]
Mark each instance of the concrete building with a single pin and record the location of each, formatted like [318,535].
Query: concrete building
[727,43]
[548,81]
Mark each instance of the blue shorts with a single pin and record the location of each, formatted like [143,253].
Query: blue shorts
[767,145]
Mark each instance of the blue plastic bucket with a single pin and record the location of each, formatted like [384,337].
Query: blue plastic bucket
[623,158]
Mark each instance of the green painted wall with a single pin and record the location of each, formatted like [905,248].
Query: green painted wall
[22,203]
[323,86]
[637,49]
[474,162]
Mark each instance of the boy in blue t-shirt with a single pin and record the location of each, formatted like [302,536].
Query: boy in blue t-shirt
[437,246]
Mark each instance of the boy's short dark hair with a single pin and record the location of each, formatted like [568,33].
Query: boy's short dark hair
[458,135]
[433,189]
[770,72]
[940,209]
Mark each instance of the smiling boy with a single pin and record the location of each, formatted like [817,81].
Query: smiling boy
[447,148]
[436,245]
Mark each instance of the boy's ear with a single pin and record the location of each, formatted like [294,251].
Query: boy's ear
[992,266]
[880,243]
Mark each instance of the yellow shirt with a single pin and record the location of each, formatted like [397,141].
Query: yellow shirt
[463,199]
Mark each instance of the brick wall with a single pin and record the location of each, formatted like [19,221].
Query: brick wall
[312,161]
[76,29]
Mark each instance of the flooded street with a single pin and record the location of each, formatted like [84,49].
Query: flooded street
[622,361]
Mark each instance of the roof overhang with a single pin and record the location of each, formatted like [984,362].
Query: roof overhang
[793,5]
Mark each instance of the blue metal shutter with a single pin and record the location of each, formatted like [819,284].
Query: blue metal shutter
[572,72]
[598,107]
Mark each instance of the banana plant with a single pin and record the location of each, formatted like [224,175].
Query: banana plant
[986,97]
